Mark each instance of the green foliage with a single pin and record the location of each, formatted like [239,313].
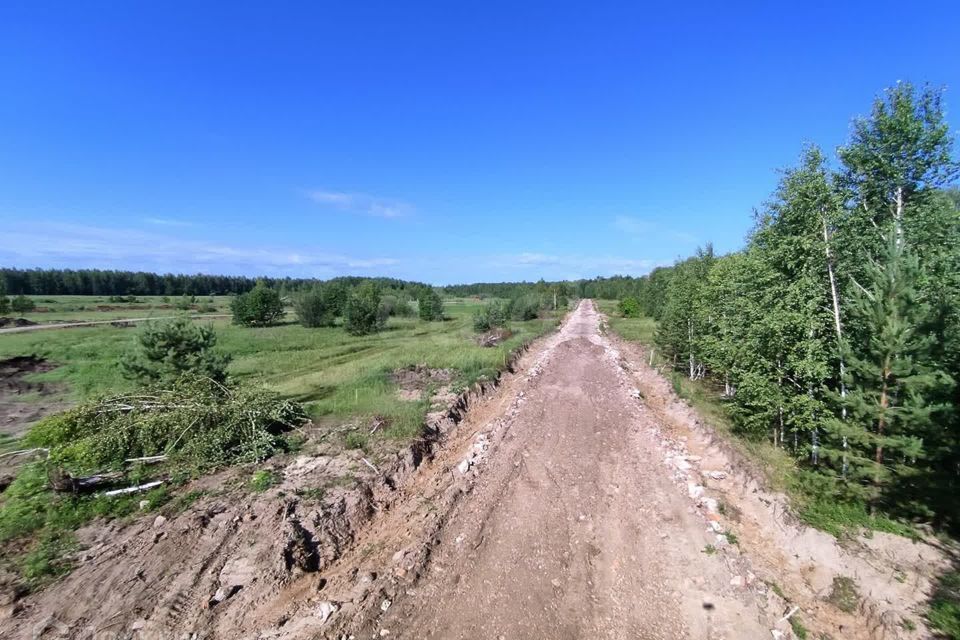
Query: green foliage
[197,422]
[430,305]
[835,334]
[629,307]
[186,302]
[22,304]
[944,614]
[259,307]
[167,349]
[798,629]
[316,307]
[355,440]
[362,313]
[525,308]
[263,480]
[491,315]
[891,376]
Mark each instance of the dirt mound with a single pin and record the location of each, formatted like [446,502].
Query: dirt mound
[15,322]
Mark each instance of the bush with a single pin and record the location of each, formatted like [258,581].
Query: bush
[4,303]
[260,306]
[493,314]
[629,307]
[362,314]
[167,349]
[23,304]
[198,423]
[314,309]
[430,305]
[525,307]
[185,302]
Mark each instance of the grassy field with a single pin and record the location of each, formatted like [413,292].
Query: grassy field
[81,308]
[335,375]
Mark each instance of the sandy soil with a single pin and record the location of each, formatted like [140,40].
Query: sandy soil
[578,499]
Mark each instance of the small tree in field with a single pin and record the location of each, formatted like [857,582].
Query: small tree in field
[4,300]
[167,349]
[362,314]
[315,308]
[629,307]
[22,304]
[260,306]
[430,305]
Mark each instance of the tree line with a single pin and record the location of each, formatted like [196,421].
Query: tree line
[835,333]
[100,282]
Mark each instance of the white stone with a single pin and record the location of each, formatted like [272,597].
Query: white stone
[464,466]
[326,609]
[159,521]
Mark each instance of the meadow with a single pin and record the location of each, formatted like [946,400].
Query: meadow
[336,376]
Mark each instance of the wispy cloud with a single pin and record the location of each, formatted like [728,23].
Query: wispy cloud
[72,245]
[362,203]
[642,227]
[168,222]
[574,266]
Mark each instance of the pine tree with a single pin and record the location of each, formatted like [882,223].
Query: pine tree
[891,376]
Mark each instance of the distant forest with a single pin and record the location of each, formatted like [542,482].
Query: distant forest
[97,282]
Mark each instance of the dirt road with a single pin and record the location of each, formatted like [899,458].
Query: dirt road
[94,323]
[574,529]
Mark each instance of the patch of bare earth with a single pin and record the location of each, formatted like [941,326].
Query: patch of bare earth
[23,401]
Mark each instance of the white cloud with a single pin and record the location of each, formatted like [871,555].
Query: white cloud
[361,203]
[642,227]
[168,222]
[72,245]
[571,267]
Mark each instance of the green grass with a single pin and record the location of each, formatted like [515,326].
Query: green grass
[336,376]
[82,308]
[822,512]
[263,479]
[944,614]
[36,525]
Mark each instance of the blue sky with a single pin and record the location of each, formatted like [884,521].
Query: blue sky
[444,142]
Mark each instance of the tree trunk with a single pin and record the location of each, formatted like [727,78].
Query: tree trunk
[690,342]
[898,218]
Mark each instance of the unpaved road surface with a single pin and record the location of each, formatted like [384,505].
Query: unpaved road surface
[94,323]
[574,529]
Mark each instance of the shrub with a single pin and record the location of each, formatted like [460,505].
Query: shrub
[167,349]
[4,302]
[525,307]
[185,302]
[430,305]
[492,314]
[259,306]
[196,422]
[314,309]
[362,313]
[23,304]
[629,307]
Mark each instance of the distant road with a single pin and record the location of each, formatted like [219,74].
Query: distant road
[91,323]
